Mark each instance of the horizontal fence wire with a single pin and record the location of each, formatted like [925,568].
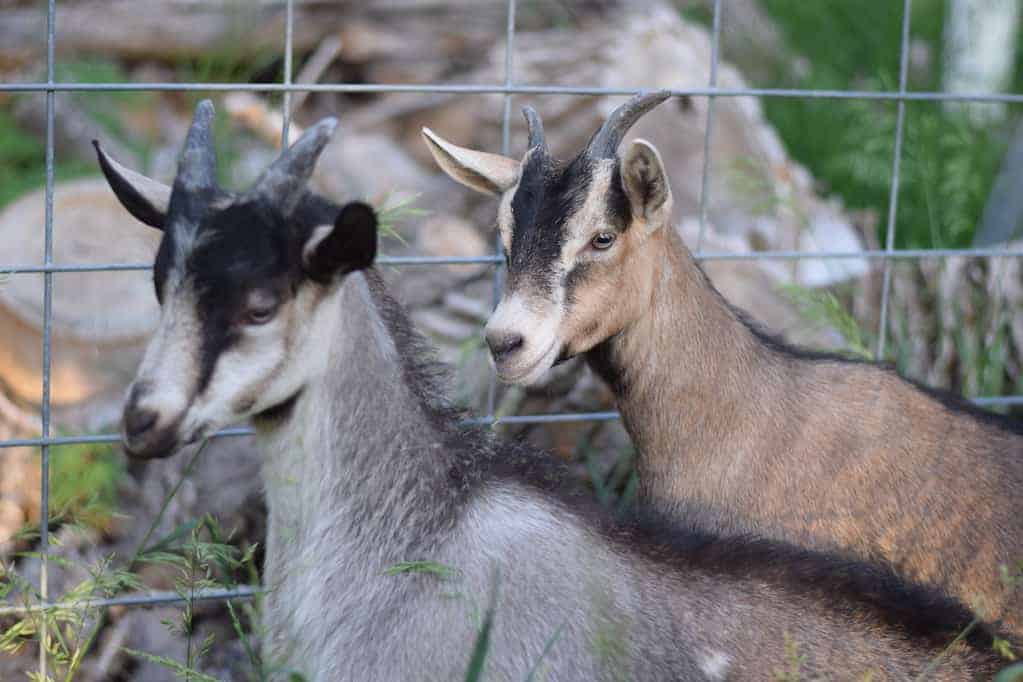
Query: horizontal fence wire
[902,254]
[140,599]
[508,89]
[499,89]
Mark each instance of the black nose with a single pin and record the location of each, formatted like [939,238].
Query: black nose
[138,421]
[503,344]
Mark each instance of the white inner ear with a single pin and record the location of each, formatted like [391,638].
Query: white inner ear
[481,171]
[320,233]
[156,193]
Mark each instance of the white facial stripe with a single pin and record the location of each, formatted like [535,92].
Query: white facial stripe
[538,316]
[170,366]
[269,363]
[505,218]
[539,327]
[247,368]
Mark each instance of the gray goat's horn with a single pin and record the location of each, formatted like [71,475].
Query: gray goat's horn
[535,127]
[197,168]
[284,181]
[604,144]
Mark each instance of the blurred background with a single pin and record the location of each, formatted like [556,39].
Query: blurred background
[811,174]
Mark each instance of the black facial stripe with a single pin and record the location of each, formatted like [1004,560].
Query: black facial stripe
[163,264]
[244,247]
[619,210]
[576,276]
[547,195]
[218,335]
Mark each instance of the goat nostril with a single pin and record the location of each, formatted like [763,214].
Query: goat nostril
[502,345]
[137,422]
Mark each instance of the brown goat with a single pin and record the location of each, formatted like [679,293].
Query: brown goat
[810,448]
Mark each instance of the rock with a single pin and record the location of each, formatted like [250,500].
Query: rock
[96,345]
[451,236]
[756,192]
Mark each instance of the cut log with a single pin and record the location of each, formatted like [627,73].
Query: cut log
[155,29]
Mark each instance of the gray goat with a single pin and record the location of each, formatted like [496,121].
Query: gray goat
[271,311]
[805,447]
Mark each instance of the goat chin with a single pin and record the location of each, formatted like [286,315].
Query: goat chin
[527,373]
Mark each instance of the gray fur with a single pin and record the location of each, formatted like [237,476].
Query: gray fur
[351,479]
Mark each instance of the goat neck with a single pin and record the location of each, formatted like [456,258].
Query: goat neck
[689,351]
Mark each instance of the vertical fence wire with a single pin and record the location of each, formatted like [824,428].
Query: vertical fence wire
[509,53]
[289,32]
[508,90]
[893,196]
[715,44]
[44,458]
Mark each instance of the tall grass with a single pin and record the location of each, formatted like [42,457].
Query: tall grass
[949,160]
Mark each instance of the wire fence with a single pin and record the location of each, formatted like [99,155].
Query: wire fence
[509,89]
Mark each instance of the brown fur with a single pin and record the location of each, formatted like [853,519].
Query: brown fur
[819,452]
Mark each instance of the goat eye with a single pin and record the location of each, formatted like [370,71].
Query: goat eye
[603,240]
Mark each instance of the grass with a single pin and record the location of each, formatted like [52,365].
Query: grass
[422,567]
[949,161]
[23,154]
[84,480]
[22,161]
[823,309]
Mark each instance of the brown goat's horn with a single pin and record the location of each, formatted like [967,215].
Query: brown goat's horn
[604,144]
[535,127]
[197,168]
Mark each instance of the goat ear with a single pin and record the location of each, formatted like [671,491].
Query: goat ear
[146,199]
[646,184]
[483,172]
[347,245]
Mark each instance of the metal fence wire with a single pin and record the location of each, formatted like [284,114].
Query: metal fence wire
[509,89]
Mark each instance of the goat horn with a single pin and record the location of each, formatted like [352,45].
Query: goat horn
[286,177]
[197,168]
[535,127]
[604,144]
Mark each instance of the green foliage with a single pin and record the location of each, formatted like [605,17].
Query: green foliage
[84,480]
[66,623]
[1014,673]
[22,161]
[794,661]
[536,672]
[615,488]
[822,308]
[23,154]
[477,662]
[427,567]
[392,211]
[204,561]
[949,162]
[73,622]
[179,669]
